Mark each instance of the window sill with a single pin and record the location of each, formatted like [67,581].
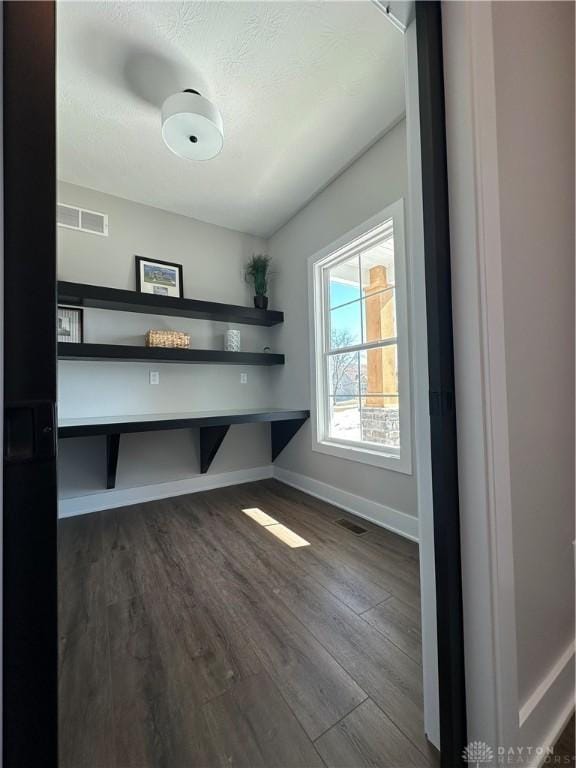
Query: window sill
[365,456]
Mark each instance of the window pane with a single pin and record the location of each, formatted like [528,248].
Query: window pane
[344,282]
[379,395]
[345,326]
[344,423]
[379,316]
[377,266]
[343,379]
[379,371]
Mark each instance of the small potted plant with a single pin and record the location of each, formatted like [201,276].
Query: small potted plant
[256,274]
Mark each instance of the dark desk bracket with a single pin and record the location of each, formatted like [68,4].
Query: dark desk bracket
[281,432]
[210,441]
[112,448]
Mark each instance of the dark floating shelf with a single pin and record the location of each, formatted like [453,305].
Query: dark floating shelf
[99,297]
[120,352]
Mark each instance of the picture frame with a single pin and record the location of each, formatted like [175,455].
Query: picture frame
[161,278]
[70,325]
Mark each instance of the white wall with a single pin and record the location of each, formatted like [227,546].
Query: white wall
[212,259]
[510,129]
[376,180]
[534,68]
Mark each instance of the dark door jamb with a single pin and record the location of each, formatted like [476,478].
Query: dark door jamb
[452,694]
[30,639]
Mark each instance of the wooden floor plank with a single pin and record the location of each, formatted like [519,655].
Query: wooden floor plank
[318,689]
[252,727]
[157,714]
[376,534]
[381,669]
[225,646]
[366,738]
[342,581]
[79,541]
[565,749]
[356,591]
[132,565]
[316,514]
[400,623]
[82,598]
[360,572]
[377,665]
[395,544]
[81,574]
[85,703]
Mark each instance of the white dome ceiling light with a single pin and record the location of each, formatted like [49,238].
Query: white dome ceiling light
[192,126]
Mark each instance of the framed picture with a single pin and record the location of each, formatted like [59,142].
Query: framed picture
[159,277]
[71,324]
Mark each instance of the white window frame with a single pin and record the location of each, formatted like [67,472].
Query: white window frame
[353,241]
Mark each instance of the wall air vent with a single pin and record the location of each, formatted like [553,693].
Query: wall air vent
[70,217]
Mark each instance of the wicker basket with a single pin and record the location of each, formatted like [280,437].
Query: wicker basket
[168,339]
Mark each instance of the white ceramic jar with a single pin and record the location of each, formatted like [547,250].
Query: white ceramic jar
[232,341]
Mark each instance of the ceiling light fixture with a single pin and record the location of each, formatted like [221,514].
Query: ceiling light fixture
[192,126]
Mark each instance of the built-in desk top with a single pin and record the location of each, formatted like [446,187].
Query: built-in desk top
[213,426]
[146,422]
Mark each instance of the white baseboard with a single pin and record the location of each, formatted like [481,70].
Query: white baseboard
[82,505]
[558,670]
[387,517]
[396,521]
[546,712]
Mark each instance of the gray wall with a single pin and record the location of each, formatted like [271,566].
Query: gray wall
[212,258]
[376,180]
[534,68]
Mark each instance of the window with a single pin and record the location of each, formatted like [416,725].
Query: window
[360,345]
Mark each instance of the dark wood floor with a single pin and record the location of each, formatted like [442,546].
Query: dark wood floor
[191,637]
[565,747]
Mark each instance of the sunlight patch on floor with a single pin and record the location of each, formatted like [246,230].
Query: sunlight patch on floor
[259,517]
[282,532]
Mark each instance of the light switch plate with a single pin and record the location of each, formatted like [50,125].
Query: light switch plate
[243,378]
[154,377]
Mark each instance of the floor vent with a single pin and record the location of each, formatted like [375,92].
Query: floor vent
[352,527]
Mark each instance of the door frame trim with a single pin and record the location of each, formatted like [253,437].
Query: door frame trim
[29,515]
[442,403]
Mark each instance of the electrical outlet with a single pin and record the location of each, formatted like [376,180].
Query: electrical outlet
[243,378]
[154,377]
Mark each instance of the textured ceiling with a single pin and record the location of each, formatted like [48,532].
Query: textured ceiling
[303,88]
